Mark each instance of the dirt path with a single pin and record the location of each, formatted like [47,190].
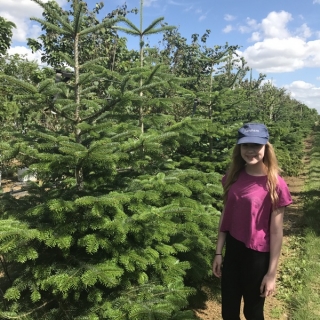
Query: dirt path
[275,308]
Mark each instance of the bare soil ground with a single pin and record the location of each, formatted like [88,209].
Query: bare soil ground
[274,307]
[13,186]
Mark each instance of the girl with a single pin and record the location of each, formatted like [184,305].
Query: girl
[250,225]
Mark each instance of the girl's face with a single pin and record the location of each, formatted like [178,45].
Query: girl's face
[252,153]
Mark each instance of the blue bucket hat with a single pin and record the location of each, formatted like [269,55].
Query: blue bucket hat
[253,133]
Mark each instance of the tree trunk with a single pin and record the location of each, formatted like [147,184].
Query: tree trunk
[78,169]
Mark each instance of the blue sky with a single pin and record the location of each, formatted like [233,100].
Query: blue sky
[280,38]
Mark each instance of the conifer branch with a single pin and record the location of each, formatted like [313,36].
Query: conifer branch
[52,26]
[88,89]
[62,113]
[127,30]
[232,82]
[66,58]
[92,63]
[149,86]
[78,5]
[54,14]
[124,83]
[152,25]
[152,74]
[20,83]
[155,31]
[45,85]
[105,24]
[102,110]
[131,26]
[27,313]
[85,78]
[90,104]
[28,155]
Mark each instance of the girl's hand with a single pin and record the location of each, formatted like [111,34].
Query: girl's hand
[268,286]
[217,266]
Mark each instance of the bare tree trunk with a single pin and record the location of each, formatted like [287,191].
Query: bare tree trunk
[78,169]
[210,112]
[141,124]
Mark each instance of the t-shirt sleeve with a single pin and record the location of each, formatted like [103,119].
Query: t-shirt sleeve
[283,193]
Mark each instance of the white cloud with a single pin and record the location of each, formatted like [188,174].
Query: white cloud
[198,11]
[316,1]
[256,36]
[276,50]
[229,17]
[318,78]
[274,25]
[276,55]
[203,17]
[313,53]
[304,31]
[244,29]
[26,52]
[251,25]
[148,3]
[307,93]
[228,28]
[19,12]
[283,55]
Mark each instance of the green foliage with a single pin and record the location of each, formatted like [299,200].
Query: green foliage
[299,279]
[128,148]
[291,274]
[5,34]
[113,228]
[97,38]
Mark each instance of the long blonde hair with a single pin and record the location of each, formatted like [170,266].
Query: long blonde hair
[238,164]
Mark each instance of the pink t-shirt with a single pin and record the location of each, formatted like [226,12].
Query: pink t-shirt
[248,210]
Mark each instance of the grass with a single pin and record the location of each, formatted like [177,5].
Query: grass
[276,312]
[300,278]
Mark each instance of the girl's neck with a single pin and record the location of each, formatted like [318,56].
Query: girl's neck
[258,169]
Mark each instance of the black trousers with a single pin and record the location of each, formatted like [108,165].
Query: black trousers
[242,274]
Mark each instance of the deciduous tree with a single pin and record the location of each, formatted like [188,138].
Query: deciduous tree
[5,34]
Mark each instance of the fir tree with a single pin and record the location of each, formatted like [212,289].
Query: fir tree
[153,28]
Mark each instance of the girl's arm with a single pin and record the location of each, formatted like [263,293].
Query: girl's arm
[276,234]
[217,262]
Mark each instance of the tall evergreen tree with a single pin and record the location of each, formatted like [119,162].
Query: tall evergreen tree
[153,28]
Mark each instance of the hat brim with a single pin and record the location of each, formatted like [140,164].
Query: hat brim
[257,140]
